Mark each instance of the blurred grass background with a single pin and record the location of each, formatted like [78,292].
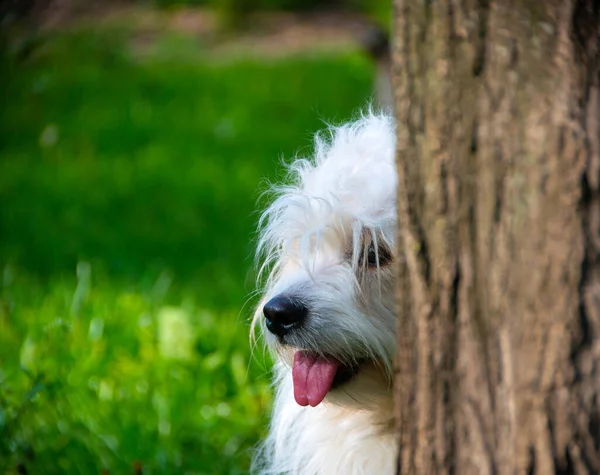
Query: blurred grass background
[128,196]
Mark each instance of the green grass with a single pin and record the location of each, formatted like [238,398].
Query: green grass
[144,176]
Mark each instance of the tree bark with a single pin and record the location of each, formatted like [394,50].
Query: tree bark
[498,108]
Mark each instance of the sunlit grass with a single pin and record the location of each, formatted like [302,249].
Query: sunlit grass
[96,376]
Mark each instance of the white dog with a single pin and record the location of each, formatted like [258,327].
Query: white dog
[328,307]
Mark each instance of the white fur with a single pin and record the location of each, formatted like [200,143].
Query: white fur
[312,238]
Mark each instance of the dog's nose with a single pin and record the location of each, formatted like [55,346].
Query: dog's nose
[283,314]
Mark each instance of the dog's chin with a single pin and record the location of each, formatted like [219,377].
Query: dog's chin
[366,388]
[345,374]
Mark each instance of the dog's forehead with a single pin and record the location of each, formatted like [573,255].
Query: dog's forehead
[318,238]
[337,214]
[334,216]
[355,176]
[350,182]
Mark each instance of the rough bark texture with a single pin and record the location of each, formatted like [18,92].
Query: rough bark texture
[498,106]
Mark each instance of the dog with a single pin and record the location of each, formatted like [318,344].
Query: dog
[328,310]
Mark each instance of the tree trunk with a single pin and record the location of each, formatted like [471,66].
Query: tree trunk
[498,107]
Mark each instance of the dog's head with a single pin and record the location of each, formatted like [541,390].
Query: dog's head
[328,242]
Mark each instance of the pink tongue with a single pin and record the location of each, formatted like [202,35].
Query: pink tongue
[313,376]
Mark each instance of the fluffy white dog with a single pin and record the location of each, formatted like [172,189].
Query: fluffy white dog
[328,306]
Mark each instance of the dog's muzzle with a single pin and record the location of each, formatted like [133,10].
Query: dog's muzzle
[284,314]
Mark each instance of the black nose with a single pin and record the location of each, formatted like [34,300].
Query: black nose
[283,314]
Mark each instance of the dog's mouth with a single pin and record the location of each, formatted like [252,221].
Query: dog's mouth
[314,376]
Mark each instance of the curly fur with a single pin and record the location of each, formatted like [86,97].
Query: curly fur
[313,240]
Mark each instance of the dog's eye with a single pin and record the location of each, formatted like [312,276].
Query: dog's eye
[372,256]
[381,254]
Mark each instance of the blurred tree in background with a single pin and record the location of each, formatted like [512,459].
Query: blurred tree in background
[132,156]
[235,13]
